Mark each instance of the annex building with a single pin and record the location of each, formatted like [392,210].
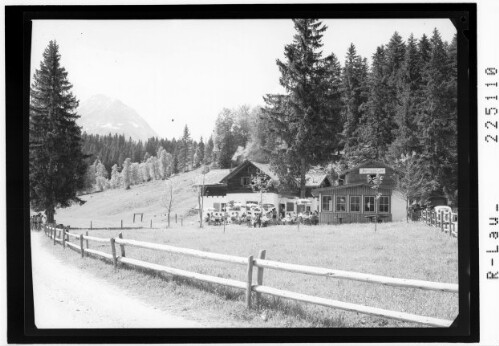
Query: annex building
[352,198]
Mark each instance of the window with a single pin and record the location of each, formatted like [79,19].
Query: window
[341,203]
[327,203]
[245,181]
[384,204]
[369,204]
[290,206]
[216,206]
[355,203]
[223,206]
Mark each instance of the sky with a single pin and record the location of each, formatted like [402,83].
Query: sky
[189,70]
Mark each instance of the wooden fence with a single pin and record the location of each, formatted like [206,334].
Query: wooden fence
[63,236]
[445,221]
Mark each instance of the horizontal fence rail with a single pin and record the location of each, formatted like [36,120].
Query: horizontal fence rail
[340,274]
[402,316]
[184,251]
[260,263]
[184,273]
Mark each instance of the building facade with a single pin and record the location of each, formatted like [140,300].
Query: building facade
[353,200]
[222,187]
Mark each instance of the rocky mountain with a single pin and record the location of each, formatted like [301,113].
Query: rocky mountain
[102,115]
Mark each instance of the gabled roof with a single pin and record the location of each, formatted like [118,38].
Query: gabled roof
[264,167]
[220,176]
[213,177]
[313,179]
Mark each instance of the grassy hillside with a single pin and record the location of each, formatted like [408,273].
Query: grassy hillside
[108,208]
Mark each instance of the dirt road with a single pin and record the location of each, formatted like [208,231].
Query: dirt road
[67,297]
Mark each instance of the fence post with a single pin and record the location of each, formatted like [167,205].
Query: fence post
[113,251]
[86,240]
[175,218]
[249,282]
[90,225]
[81,246]
[121,224]
[442,221]
[450,223]
[259,277]
[55,233]
[63,238]
[133,217]
[122,247]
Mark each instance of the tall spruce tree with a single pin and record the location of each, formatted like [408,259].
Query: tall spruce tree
[201,148]
[208,151]
[306,120]
[224,138]
[375,129]
[184,157]
[437,122]
[410,86]
[56,163]
[355,92]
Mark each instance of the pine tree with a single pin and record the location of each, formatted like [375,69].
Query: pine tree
[192,152]
[201,148]
[224,138]
[306,120]
[197,157]
[410,87]
[208,151]
[355,91]
[175,168]
[57,167]
[375,129]
[126,173]
[184,151]
[437,122]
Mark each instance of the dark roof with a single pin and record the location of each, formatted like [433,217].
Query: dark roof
[220,176]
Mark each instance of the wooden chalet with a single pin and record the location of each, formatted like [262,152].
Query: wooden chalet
[223,186]
[352,198]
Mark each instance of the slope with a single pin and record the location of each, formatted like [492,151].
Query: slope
[108,208]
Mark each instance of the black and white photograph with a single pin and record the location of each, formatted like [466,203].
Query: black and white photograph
[246,173]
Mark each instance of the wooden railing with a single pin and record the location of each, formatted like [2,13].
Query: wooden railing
[63,236]
[445,221]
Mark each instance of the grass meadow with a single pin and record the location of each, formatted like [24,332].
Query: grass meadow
[410,251]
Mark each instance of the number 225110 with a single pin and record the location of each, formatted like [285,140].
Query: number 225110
[490,124]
